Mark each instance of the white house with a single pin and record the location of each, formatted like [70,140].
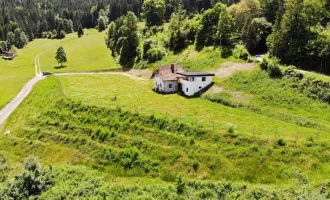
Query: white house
[193,82]
[166,78]
[170,79]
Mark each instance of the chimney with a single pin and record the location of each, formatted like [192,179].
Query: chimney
[172,68]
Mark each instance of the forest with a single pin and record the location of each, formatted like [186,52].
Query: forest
[294,31]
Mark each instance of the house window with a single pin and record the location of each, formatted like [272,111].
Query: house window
[193,78]
[160,85]
[187,89]
[203,78]
[169,85]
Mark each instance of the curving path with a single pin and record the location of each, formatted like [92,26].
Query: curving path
[12,105]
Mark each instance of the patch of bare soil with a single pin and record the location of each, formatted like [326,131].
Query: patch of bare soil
[215,90]
[192,54]
[143,73]
[229,68]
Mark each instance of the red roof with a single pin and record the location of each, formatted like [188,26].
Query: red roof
[168,73]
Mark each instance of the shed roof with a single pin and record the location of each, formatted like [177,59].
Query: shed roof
[195,74]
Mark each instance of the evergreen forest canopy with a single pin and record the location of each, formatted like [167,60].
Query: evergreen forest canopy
[295,31]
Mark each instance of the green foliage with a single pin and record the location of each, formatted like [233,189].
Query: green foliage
[180,184]
[240,52]
[29,185]
[281,142]
[129,157]
[18,38]
[154,54]
[256,34]
[4,168]
[154,12]
[207,32]
[179,28]
[123,38]
[271,65]
[61,34]
[225,28]
[80,31]
[101,25]
[60,55]
[3,46]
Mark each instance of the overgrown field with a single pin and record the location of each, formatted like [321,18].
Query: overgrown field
[156,137]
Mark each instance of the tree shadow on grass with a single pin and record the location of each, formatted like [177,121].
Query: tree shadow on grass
[60,67]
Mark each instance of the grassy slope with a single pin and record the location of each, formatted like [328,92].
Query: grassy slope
[88,53]
[61,131]
[137,95]
[275,98]
[14,74]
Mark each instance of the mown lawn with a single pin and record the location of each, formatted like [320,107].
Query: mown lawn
[88,53]
[14,74]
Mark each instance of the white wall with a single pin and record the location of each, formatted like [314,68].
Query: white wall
[195,84]
[163,86]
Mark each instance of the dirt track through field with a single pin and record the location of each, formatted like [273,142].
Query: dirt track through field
[229,68]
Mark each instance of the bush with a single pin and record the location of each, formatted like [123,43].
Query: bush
[240,52]
[196,165]
[206,194]
[180,185]
[129,157]
[61,34]
[271,65]
[154,55]
[281,142]
[33,182]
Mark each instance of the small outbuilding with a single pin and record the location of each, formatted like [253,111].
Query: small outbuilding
[170,79]
[9,55]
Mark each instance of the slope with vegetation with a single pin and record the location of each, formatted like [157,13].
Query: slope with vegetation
[132,137]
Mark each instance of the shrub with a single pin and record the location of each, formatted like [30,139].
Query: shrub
[31,183]
[240,52]
[180,185]
[196,165]
[61,34]
[281,142]
[129,157]
[271,65]
[154,55]
[206,194]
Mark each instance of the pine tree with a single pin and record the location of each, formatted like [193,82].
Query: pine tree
[80,31]
[61,55]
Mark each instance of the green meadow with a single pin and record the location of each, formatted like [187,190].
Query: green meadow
[88,53]
[15,73]
[74,121]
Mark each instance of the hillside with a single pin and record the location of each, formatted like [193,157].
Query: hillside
[168,134]
[253,128]
[84,54]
